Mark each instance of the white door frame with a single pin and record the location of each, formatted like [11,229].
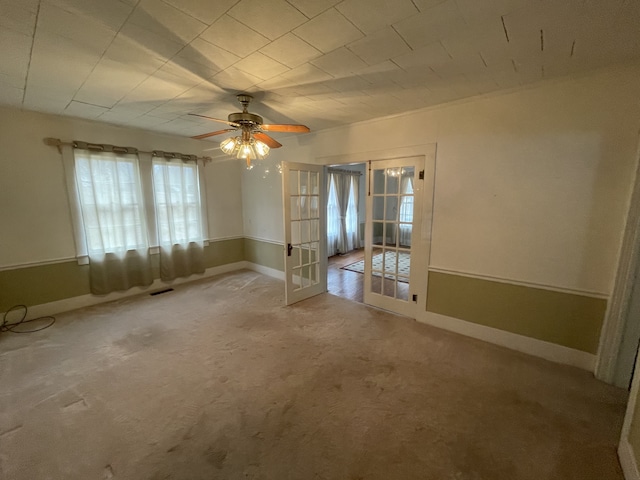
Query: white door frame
[428,152]
[613,327]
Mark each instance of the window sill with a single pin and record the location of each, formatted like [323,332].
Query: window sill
[154,250]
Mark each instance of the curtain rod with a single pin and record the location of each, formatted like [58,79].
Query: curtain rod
[340,170]
[56,142]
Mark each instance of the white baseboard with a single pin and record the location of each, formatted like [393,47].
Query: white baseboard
[628,460]
[74,303]
[539,348]
[271,272]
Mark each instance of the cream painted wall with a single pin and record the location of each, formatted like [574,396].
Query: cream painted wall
[531,185]
[34,213]
[262,197]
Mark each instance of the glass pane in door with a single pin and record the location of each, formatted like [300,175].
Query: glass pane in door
[304,193]
[392,215]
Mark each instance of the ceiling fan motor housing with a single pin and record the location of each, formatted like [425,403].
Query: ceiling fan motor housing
[245,118]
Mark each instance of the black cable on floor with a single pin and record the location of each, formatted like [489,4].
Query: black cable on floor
[13,327]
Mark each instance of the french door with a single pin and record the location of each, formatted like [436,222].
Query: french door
[393,228]
[304,231]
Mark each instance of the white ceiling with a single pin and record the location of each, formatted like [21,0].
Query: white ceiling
[323,63]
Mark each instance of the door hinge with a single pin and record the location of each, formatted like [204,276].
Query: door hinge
[415,298]
[421,175]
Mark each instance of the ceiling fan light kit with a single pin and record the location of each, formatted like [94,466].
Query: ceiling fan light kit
[252,143]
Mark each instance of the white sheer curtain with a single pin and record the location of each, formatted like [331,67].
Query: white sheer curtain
[406,210]
[333,217]
[179,222]
[113,220]
[351,218]
[343,232]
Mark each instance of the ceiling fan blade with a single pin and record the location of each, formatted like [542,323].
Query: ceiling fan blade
[285,128]
[211,134]
[216,119]
[264,138]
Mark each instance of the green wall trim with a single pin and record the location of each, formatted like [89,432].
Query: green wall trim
[40,284]
[567,319]
[264,253]
[222,252]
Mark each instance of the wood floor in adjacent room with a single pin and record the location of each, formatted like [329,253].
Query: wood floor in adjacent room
[345,283]
[218,380]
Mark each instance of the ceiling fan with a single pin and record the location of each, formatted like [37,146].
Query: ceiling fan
[252,142]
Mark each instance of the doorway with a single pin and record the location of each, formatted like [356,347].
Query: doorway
[391,194]
[346,209]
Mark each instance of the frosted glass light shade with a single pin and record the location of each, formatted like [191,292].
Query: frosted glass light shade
[248,150]
[262,149]
[229,145]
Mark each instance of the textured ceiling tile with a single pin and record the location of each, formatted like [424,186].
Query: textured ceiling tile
[127,51]
[306,74]
[176,73]
[459,66]
[233,36]
[290,50]
[429,55]
[271,19]
[479,12]
[204,10]
[261,66]
[505,78]
[12,80]
[311,8]
[56,65]
[235,79]
[109,82]
[18,15]
[488,35]
[328,31]
[352,86]
[132,109]
[154,91]
[431,25]
[199,70]
[44,99]
[84,110]
[380,46]
[88,33]
[14,56]
[339,63]
[148,120]
[426,4]
[111,14]
[453,58]
[371,15]
[381,75]
[415,77]
[10,95]
[207,54]
[155,44]
[167,21]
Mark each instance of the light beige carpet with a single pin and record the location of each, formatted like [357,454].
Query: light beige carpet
[217,380]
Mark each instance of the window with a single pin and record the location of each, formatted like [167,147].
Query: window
[177,200]
[127,202]
[342,212]
[110,198]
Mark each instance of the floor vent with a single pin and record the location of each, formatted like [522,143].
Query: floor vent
[162,291]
